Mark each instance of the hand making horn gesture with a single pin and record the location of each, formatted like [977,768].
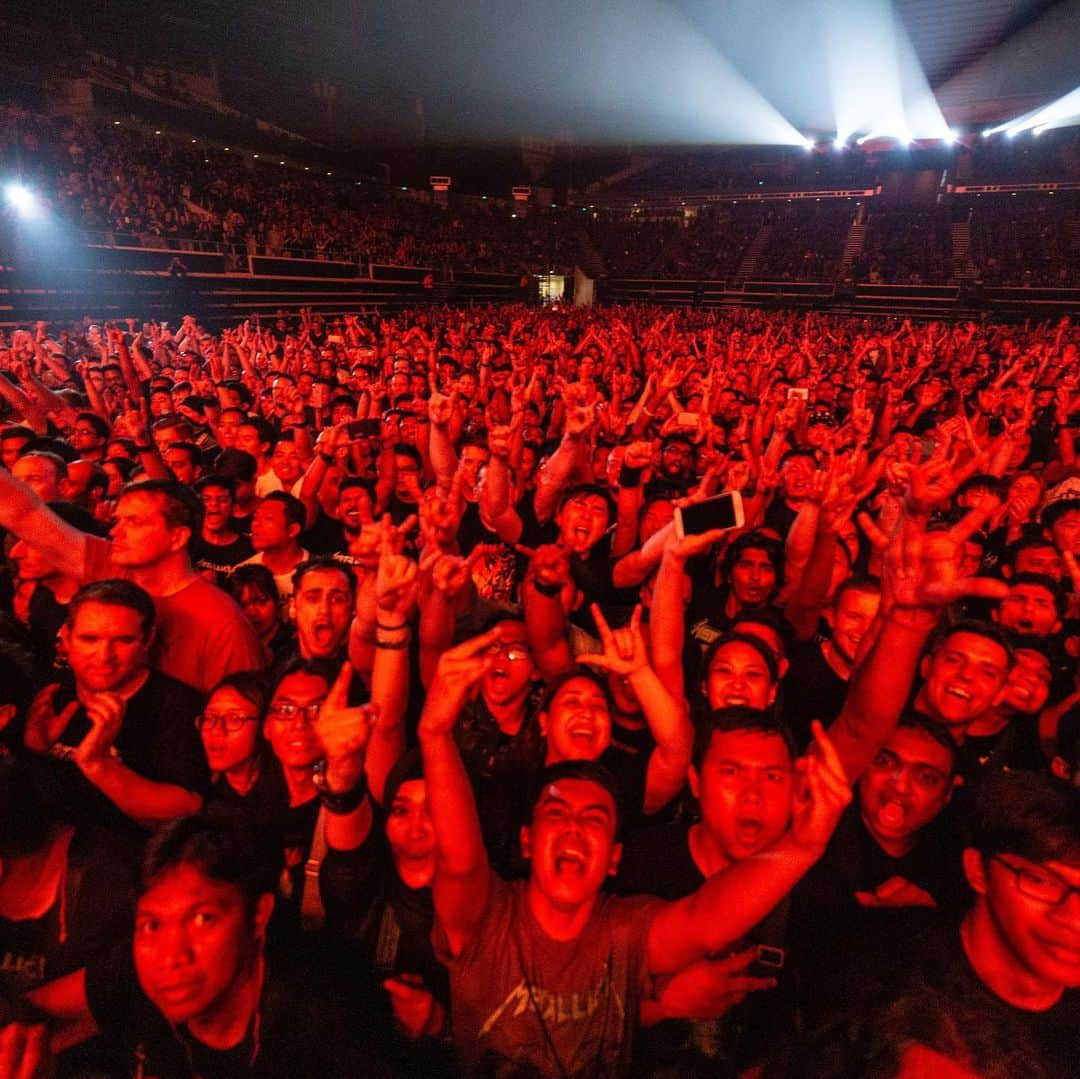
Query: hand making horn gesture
[624,651]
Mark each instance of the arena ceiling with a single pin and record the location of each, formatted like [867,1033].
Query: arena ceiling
[533,67]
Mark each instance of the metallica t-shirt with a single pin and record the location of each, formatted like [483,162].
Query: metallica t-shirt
[546,1007]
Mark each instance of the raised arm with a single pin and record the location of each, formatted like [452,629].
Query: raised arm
[555,476]
[462,874]
[444,459]
[395,592]
[920,577]
[346,735]
[671,592]
[668,719]
[25,515]
[546,596]
[496,488]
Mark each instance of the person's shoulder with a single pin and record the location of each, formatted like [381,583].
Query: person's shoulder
[623,914]
[209,598]
[162,687]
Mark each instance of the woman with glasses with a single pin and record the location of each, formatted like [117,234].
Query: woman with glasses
[247,780]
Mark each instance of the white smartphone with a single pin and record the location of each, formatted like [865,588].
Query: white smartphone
[722,511]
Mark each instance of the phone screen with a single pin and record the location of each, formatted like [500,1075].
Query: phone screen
[718,512]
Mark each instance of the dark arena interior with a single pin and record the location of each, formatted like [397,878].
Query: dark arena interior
[540,541]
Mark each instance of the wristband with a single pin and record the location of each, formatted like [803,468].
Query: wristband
[393,646]
[327,457]
[338,803]
[391,629]
[552,591]
[629,477]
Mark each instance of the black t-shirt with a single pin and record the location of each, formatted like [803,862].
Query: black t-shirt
[220,558]
[325,536]
[304,1031]
[827,919]
[262,811]
[936,961]
[657,861]
[1014,748]
[854,862]
[91,911]
[780,516]
[812,690]
[157,740]
[472,531]
[592,574]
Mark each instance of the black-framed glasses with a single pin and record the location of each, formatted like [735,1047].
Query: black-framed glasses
[287,711]
[1042,885]
[510,650]
[229,721]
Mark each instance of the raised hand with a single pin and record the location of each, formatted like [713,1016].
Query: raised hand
[579,413]
[440,408]
[499,439]
[821,794]
[106,714]
[709,988]
[624,651]
[25,1052]
[550,567]
[921,569]
[44,724]
[396,580]
[459,670]
[416,1011]
[440,514]
[896,892]
[639,455]
[451,575]
[931,483]
[344,732]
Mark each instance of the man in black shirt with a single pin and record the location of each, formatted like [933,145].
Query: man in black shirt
[820,668]
[196,994]
[218,547]
[129,729]
[965,672]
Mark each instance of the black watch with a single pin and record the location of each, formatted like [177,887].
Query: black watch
[338,802]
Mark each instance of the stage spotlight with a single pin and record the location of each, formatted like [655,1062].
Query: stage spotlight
[23,201]
[954,135]
[808,143]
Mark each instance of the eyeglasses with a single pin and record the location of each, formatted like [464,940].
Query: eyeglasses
[230,721]
[1039,884]
[511,651]
[287,711]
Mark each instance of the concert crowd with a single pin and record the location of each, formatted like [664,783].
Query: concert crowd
[564,692]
